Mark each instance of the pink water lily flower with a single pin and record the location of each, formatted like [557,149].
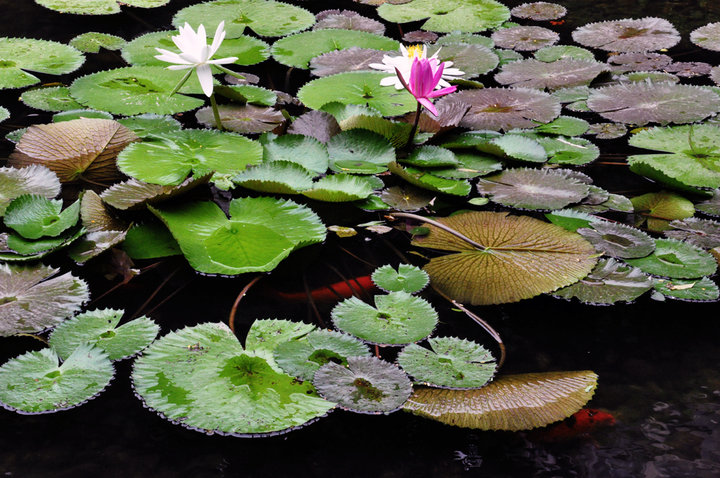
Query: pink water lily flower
[425,75]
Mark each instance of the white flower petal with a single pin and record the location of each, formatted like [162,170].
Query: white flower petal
[217,39]
[180,67]
[223,61]
[171,57]
[206,79]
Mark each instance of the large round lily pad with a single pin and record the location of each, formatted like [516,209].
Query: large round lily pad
[707,36]
[522,257]
[563,73]
[511,402]
[32,300]
[36,382]
[259,234]
[524,38]
[202,378]
[97,7]
[41,56]
[448,15]
[628,35]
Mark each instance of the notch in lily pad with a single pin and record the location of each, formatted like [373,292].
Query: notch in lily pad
[406,278]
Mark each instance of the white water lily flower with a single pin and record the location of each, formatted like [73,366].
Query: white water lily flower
[404,63]
[195,53]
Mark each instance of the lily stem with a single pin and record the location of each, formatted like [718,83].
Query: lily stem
[228,71]
[233,311]
[441,226]
[216,113]
[411,137]
[181,82]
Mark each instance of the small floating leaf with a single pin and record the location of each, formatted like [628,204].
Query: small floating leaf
[242,118]
[405,198]
[347,20]
[36,382]
[560,52]
[510,402]
[53,98]
[524,38]
[425,180]
[398,318]
[406,278]
[429,156]
[660,208]
[100,328]
[702,233]
[707,36]
[638,61]
[91,42]
[150,241]
[340,188]
[35,216]
[571,219]
[132,193]
[365,385]
[710,207]
[608,283]
[618,240]
[451,363]
[539,11]
[702,290]
[317,124]
[677,260]
[608,130]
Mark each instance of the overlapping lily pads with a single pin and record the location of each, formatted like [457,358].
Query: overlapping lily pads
[609,282]
[40,56]
[702,233]
[618,240]
[347,20]
[677,260]
[34,179]
[202,378]
[702,290]
[97,7]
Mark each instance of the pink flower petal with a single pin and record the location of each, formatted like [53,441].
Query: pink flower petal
[428,104]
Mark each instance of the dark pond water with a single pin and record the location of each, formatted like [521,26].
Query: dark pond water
[659,363]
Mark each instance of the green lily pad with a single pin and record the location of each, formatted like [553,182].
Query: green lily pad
[305,151]
[277,177]
[515,146]
[15,248]
[259,234]
[693,159]
[35,216]
[558,52]
[397,318]
[91,42]
[658,209]
[608,283]
[141,51]
[150,241]
[35,179]
[36,382]
[618,240]
[564,125]
[448,15]
[451,363]
[702,290]
[472,59]
[97,7]
[168,158]
[676,260]
[267,18]
[429,156]
[360,151]
[252,94]
[41,56]
[406,278]
[302,358]
[31,301]
[100,328]
[53,98]
[340,188]
[510,402]
[297,50]
[135,90]
[202,378]
[80,114]
[523,257]
[357,88]
[571,219]
[4,114]
[365,385]
[574,151]
[702,233]
[150,124]
[265,335]
[470,165]
[423,179]
[537,189]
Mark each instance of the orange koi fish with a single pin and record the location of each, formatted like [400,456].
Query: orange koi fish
[332,292]
[578,425]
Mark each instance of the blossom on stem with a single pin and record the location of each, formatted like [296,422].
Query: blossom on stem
[425,75]
[404,62]
[196,53]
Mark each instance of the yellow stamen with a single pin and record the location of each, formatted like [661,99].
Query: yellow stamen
[415,51]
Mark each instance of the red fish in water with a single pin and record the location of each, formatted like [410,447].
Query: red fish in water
[579,424]
[333,292]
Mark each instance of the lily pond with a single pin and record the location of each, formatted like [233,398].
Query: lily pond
[360,238]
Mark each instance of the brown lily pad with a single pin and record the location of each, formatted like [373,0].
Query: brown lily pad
[524,38]
[628,35]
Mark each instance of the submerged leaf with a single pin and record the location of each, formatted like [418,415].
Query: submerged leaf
[608,283]
[523,257]
[511,402]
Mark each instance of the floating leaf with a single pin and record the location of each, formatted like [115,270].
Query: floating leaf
[135,90]
[150,124]
[304,151]
[405,198]
[150,241]
[702,233]
[638,61]
[40,56]
[365,385]
[502,108]
[80,114]
[103,230]
[429,156]
[471,58]
[200,377]
[4,114]
[35,216]
[523,257]
[30,301]
[451,363]
[561,52]
[297,50]
[36,382]
[608,283]
[242,118]
[357,88]
[702,290]
[259,234]
[425,180]
[419,36]
[618,240]
[91,154]
[265,335]
[523,38]
[564,125]
[688,69]
[317,124]
[471,165]
[340,61]
[467,38]
[406,278]
[608,130]
[91,42]
[360,151]
[97,7]
[168,158]
[448,15]
[677,260]
[279,177]
[563,73]
[264,17]
[99,328]
[710,207]
[302,358]
[512,146]
[528,188]
[34,179]
[141,51]
[510,402]
[628,35]
[694,158]
[707,36]
[661,208]
[54,98]
[642,103]
[133,193]
[397,318]
[340,188]
[347,20]
[571,219]
[575,151]
[539,11]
